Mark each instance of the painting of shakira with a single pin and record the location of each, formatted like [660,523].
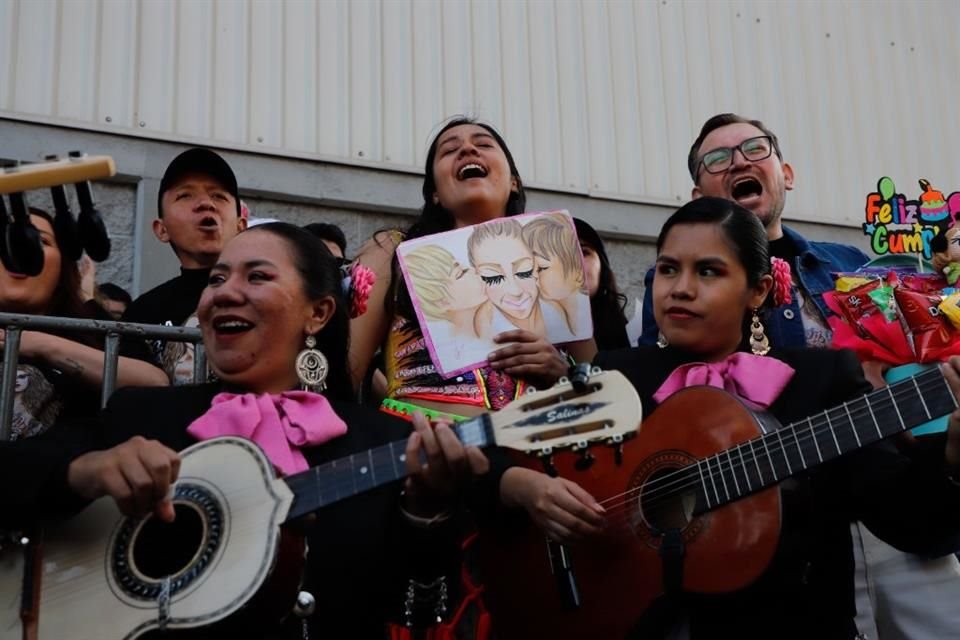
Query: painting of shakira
[473,283]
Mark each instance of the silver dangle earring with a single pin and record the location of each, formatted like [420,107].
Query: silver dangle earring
[759,343]
[662,341]
[312,367]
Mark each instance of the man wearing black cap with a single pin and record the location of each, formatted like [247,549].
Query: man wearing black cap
[198,212]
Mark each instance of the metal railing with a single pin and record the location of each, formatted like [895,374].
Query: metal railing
[14,324]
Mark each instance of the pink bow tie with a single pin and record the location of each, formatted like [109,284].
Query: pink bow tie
[756,380]
[279,423]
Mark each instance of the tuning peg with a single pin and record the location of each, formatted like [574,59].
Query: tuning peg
[580,376]
[64,226]
[546,459]
[91,229]
[585,461]
[21,250]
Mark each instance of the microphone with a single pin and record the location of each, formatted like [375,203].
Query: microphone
[90,227]
[21,249]
[64,226]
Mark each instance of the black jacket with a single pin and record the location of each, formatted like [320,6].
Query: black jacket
[808,589]
[362,551]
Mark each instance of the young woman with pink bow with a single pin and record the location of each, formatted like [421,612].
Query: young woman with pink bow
[711,289]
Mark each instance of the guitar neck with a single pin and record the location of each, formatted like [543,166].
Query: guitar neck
[772,457]
[333,481]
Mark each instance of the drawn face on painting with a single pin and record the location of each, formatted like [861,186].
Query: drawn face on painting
[506,267]
[465,287]
[555,284]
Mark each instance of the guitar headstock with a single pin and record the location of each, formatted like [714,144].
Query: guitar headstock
[606,410]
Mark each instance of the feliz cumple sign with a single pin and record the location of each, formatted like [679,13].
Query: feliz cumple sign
[897,225]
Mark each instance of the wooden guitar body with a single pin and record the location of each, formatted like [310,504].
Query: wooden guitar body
[103,575]
[620,574]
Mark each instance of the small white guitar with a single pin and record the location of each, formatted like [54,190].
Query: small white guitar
[101,575]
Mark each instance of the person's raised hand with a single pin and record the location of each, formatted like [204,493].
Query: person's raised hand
[136,474]
[561,508]
[528,356]
[438,464]
[951,371]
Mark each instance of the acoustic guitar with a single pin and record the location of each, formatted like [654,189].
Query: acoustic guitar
[693,500]
[101,575]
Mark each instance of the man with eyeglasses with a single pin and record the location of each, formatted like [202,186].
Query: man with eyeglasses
[739,159]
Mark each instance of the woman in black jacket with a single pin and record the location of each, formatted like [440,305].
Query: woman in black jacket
[274,301]
[713,276]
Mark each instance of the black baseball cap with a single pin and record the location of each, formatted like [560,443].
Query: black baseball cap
[199,160]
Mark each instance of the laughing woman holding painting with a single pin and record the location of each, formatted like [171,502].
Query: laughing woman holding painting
[470,177]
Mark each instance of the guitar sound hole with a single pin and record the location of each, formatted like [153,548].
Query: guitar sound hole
[161,549]
[663,503]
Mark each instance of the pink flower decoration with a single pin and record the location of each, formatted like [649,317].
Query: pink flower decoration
[782,281]
[362,280]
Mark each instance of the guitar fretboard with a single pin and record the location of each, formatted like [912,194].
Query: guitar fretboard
[333,481]
[766,460]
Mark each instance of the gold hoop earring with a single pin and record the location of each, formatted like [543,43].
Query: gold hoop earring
[312,367]
[759,343]
[662,341]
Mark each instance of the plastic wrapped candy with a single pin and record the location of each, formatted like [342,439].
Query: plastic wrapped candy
[857,304]
[866,328]
[847,283]
[931,335]
[886,302]
[950,307]
[923,282]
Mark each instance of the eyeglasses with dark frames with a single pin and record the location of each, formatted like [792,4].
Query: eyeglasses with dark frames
[752,149]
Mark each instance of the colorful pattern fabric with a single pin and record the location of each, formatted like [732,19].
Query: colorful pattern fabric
[411,374]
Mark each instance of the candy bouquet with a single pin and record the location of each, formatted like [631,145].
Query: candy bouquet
[908,315]
[895,315]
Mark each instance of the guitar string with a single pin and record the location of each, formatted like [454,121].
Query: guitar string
[748,458]
[680,479]
[806,435]
[622,514]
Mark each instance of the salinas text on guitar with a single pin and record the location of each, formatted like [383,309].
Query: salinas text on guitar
[696,492]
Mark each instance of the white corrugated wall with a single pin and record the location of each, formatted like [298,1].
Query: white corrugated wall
[599,97]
